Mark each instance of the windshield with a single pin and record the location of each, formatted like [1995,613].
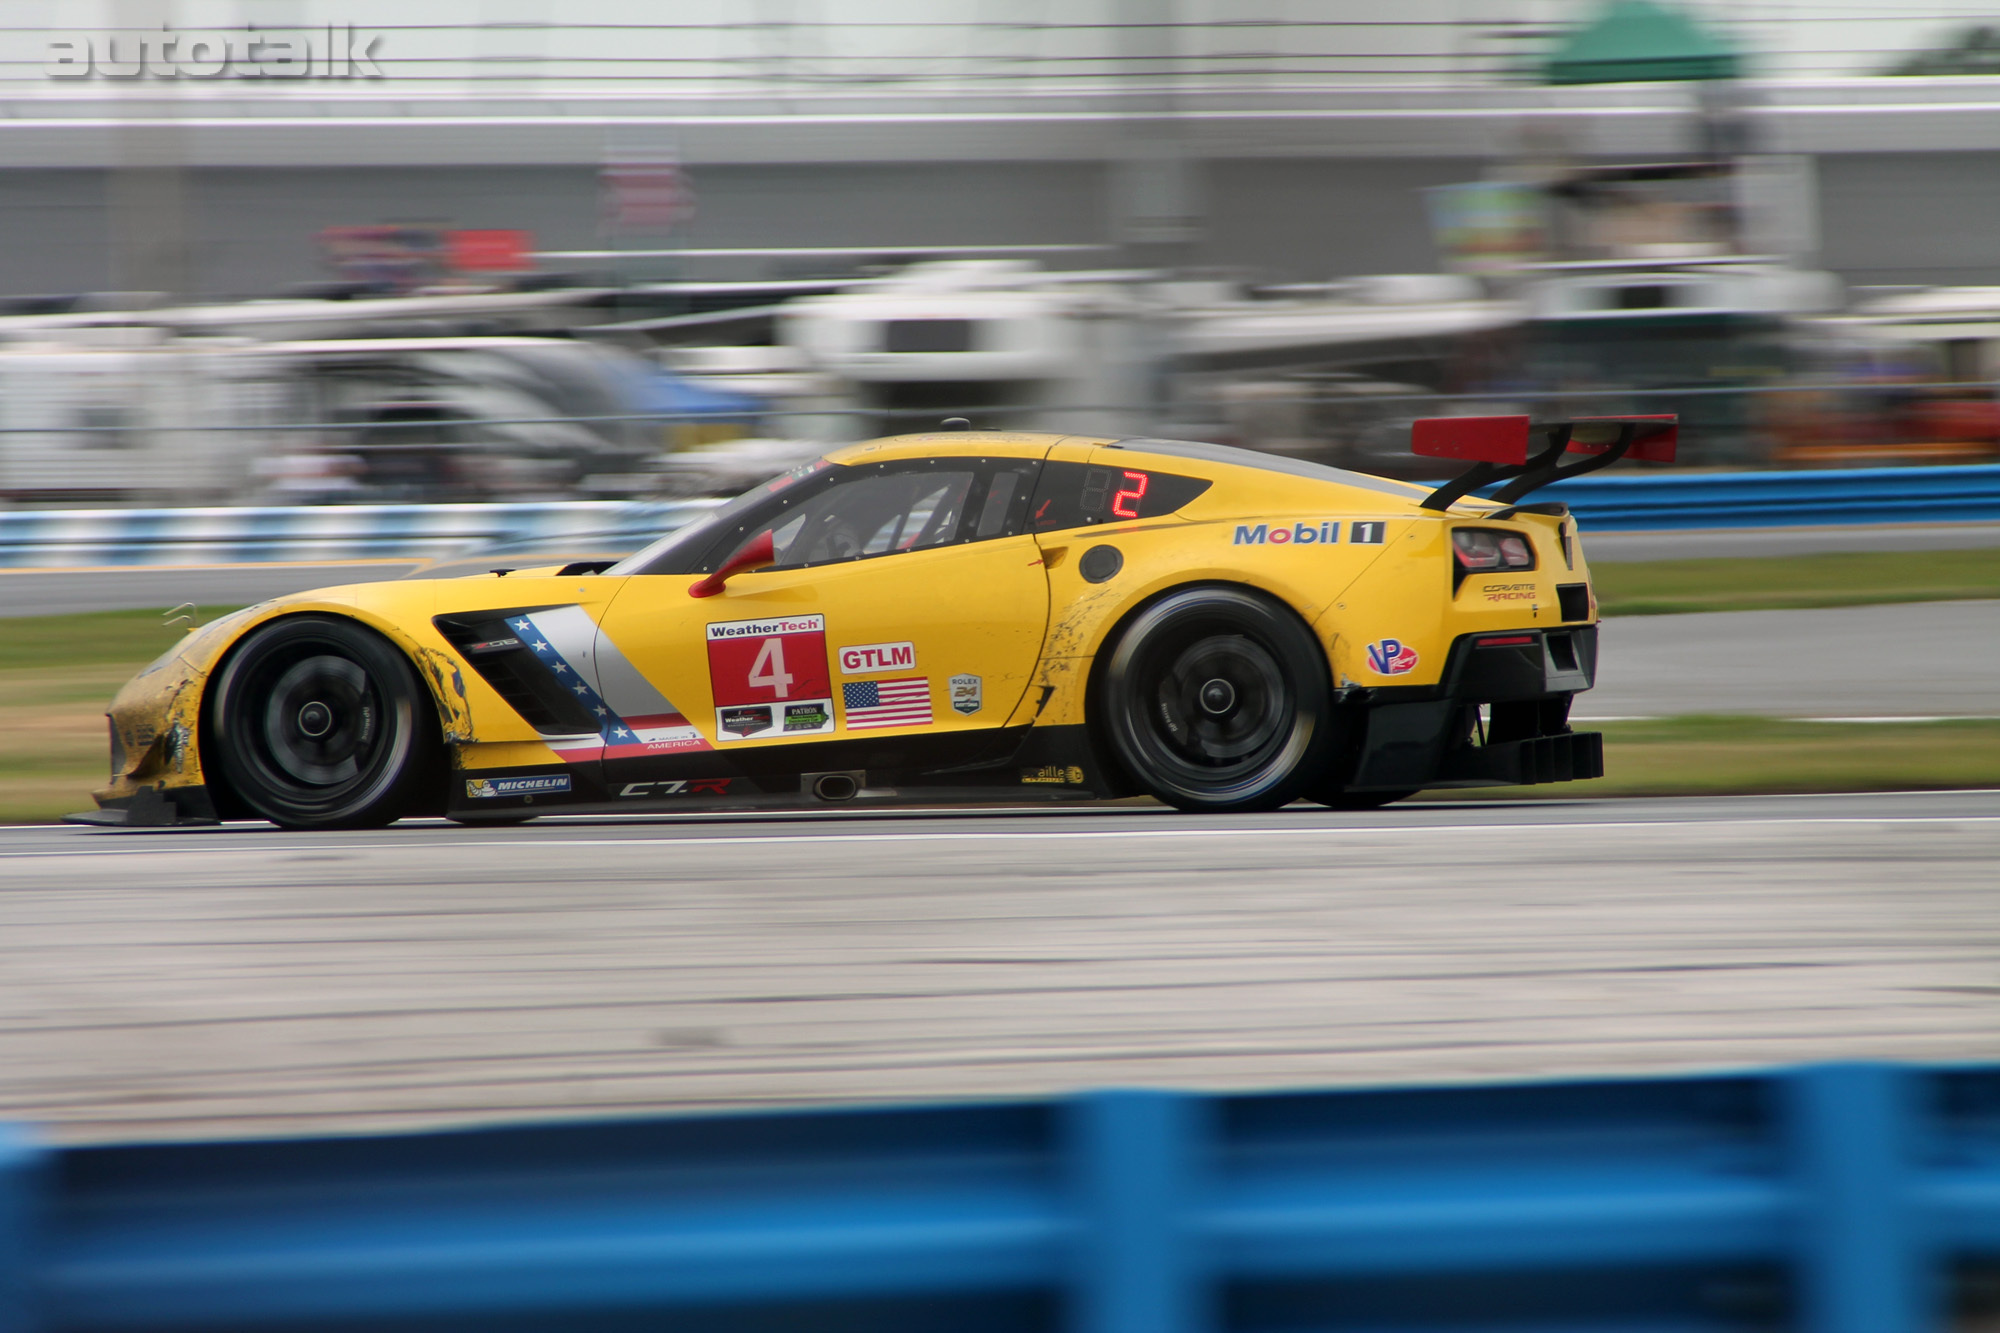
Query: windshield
[679,550]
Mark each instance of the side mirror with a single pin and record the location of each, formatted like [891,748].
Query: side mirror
[756,553]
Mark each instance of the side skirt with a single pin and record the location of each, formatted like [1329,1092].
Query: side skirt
[1025,763]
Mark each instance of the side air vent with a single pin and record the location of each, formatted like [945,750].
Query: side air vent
[1574,599]
[487,642]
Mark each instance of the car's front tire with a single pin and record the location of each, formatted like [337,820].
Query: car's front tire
[1217,699]
[315,722]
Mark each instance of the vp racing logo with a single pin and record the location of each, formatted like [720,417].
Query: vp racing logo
[1391,657]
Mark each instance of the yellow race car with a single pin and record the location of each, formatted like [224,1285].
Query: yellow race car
[960,616]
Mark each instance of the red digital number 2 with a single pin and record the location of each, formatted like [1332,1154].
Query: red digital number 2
[1132,492]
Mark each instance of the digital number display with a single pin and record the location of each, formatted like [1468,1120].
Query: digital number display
[1070,495]
[1122,504]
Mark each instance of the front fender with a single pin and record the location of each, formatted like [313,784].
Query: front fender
[156,717]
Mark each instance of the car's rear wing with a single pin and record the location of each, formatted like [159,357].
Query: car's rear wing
[1498,447]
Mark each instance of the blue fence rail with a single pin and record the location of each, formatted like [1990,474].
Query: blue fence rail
[49,537]
[1829,1199]
[321,533]
[1651,501]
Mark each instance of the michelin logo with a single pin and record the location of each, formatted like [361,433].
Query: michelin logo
[480,789]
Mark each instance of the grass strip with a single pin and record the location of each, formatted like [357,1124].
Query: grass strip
[97,638]
[1771,583]
[57,676]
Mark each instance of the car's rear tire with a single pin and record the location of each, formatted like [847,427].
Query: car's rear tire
[1216,699]
[315,722]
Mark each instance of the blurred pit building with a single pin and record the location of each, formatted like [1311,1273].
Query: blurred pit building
[1284,223]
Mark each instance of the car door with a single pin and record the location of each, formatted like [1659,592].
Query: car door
[906,607]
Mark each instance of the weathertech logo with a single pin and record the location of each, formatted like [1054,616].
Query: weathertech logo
[757,629]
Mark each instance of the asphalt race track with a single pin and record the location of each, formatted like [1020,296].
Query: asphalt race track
[1606,548]
[246,981]
[1915,659]
[56,592]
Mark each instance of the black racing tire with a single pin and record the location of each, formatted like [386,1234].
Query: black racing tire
[1217,699]
[1359,800]
[316,722]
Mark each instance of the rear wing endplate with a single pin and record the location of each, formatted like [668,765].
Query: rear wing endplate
[1498,448]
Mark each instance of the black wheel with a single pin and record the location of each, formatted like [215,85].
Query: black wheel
[1359,800]
[1217,699]
[317,722]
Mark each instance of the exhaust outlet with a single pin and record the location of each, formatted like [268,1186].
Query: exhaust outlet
[836,786]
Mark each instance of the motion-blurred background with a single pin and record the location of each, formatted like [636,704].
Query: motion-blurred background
[326,251]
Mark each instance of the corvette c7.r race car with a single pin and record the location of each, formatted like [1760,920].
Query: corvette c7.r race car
[962,616]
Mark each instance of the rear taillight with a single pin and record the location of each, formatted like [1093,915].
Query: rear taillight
[1482,549]
[1487,551]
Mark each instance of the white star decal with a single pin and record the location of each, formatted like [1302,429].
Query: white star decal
[520,624]
[620,731]
[583,689]
[602,711]
[539,645]
[561,668]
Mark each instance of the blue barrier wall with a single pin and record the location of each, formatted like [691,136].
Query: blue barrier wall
[53,537]
[1604,503]
[1834,1199]
[1650,501]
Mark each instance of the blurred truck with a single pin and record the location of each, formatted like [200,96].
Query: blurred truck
[127,414]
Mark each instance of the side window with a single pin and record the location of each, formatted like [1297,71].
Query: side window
[874,515]
[1074,495]
[892,507]
[1006,495]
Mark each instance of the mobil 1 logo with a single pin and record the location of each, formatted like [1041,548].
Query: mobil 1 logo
[1310,532]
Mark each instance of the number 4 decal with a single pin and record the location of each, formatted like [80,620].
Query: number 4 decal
[768,671]
[769,678]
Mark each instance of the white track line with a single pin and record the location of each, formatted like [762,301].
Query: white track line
[263,847]
[871,815]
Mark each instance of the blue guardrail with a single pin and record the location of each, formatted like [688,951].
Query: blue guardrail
[1828,1199]
[1651,501]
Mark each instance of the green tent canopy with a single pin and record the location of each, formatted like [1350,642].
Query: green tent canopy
[1635,41]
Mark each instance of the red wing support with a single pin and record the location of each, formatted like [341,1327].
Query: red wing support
[1499,446]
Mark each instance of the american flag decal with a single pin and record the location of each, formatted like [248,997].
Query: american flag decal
[887,703]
